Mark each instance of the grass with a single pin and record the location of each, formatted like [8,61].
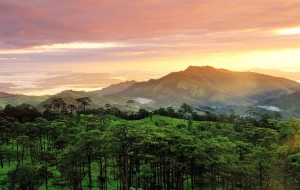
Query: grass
[175,121]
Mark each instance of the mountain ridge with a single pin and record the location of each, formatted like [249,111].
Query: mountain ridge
[211,86]
[195,85]
[114,88]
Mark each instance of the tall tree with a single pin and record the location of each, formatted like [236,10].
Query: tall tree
[25,177]
[57,103]
[129,103]
[185,110]
[107,106]
[83,102]
[249,110]
[72,108]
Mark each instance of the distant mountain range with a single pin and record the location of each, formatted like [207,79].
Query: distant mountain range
[196,86]
[211,86]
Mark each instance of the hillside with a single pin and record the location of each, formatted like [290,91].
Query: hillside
[288,104]
[114,88]
[20,99]
[69,97]
[210,86]
[6,95]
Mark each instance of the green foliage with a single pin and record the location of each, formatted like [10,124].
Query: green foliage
[26,177]
[101,151]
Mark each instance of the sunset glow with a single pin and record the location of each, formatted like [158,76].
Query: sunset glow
[289,31]
[146,36]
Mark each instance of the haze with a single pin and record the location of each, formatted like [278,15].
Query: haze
[48,46]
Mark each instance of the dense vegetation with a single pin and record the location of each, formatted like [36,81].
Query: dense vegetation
[74,147]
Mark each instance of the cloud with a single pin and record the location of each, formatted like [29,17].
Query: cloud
[44,82]
[288,31]
[271,108]
[57,47]
[104,36]
[38,23]
[7,58]
[5,87]
[95,80]
[81,80]
[143,100]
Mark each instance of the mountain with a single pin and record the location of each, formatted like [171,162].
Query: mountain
[6,95]
[289,105]
[210,86]
[114,88]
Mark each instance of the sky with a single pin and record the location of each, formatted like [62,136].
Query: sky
[64,41]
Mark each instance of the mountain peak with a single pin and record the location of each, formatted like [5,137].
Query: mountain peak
[197,68]
[204,70]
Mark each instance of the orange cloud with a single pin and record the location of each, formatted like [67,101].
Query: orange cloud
[147,34]
[37,23]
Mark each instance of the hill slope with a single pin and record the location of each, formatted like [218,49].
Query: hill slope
[6,95]
[210,86]
[114,88]
[69,97]
[20,99]
[288,104]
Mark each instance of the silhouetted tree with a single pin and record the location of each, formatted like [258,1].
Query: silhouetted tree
[130,102]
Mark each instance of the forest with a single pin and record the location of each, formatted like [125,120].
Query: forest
[74,147]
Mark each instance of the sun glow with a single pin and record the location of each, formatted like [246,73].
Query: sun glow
[288,31]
